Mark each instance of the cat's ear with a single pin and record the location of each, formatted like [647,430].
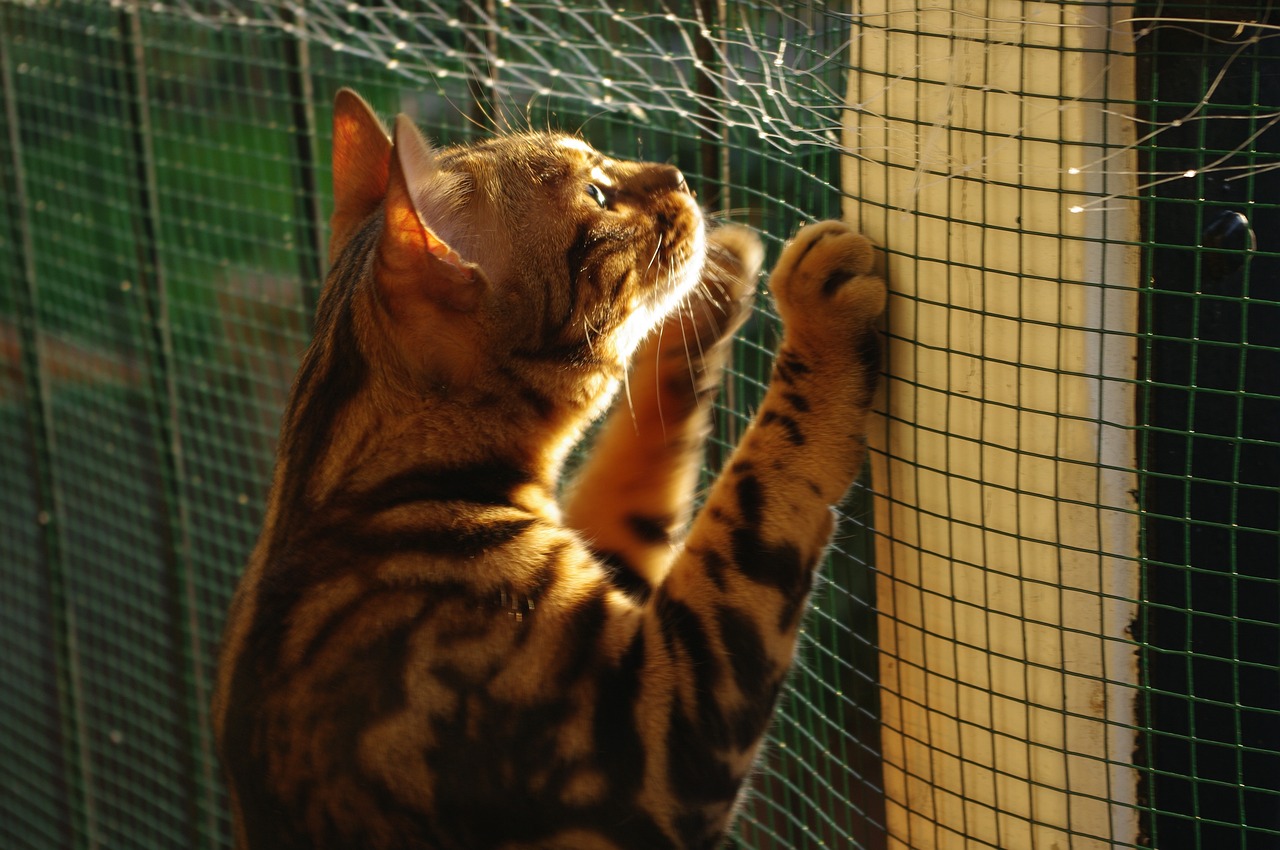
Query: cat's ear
[415,261]
[361,161]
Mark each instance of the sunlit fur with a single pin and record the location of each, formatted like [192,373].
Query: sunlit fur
[430,647]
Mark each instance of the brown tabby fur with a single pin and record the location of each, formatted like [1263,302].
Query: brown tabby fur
[427,650]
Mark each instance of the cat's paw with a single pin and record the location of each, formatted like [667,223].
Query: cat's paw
[824,287]
[734,251]
[723,299]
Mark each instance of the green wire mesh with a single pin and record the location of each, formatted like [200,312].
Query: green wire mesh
[165,184]
[1211,435]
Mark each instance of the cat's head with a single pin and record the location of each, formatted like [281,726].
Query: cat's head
[527,247]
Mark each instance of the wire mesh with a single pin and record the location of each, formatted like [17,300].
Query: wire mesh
[1211,443]
[165,182]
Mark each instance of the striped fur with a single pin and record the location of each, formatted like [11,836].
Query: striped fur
[428,649]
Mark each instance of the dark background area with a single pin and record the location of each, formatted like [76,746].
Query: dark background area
[1211,430]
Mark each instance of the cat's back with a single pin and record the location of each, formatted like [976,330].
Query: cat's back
[395,707]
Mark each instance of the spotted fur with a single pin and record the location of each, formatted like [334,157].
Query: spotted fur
[428,649]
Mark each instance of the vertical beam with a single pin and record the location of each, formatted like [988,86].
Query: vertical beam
[713,153]
[78,819]
[187,681]
[309,221]
[1003,463]
[713,166]
[486,103]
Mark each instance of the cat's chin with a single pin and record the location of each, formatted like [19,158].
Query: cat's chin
[664,297]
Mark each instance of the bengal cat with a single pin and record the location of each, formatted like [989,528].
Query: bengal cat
[428,649]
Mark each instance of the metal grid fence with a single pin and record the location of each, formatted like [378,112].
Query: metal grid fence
[165,184]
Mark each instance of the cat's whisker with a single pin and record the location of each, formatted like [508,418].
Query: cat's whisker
[463,114]
[702,353]
[585,121]
[693,375]
[657,356]
[528,112]
[626,393]
[716,304]
[502,114]
[728,216]
[656,249]
[711,300]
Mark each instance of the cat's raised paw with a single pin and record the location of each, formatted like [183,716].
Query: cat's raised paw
[721,302]
[734,250]
[823,283]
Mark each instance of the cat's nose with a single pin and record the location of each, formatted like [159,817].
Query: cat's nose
[664,178]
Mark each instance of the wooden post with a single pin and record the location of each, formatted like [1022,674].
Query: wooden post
[989,151]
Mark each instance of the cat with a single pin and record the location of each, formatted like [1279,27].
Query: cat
[429,649]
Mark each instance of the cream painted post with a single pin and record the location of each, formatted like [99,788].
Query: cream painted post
[1003,463]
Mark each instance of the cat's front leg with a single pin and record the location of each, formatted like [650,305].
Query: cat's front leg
[635,492]
[727,616]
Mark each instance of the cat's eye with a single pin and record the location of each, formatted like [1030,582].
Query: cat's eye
[597,195]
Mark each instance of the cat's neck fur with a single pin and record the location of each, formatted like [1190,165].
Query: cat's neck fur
[385,430]
[524,419]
